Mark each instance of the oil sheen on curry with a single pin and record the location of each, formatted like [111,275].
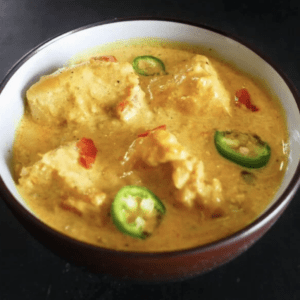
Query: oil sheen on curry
[149,148]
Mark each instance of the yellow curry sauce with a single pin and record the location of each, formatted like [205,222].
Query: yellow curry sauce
[183,226]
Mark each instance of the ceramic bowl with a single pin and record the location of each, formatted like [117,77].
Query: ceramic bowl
[176,265]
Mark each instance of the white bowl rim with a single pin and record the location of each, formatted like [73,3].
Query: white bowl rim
[274,210]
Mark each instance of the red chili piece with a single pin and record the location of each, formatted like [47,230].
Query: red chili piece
[71,209]
[125,103]
[163,127]
[122,105]
[243,97]
[87,151]
[110,58]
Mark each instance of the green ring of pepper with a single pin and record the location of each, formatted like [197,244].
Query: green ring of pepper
[119,208]
[156,62]
[246,161]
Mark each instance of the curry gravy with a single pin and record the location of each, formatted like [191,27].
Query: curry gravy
[182,227]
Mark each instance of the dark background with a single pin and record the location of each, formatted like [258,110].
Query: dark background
[268,270]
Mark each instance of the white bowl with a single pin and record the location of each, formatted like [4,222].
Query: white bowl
[54,53]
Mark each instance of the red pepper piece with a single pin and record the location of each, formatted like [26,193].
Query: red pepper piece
[146,133]
[87,152]
[71,209]
[243,97]
[122,105]
[109,58]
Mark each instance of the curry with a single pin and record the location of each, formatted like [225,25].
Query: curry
[148,148]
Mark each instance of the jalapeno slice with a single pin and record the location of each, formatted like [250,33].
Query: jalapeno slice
[148,65]
[136,211]
[242,148]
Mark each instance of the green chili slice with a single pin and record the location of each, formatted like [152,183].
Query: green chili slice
[242,148]
[148,65]
[136,211]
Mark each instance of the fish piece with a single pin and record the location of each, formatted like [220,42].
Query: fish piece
[70,184]
[191,87]
[87,93]
[159,146]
